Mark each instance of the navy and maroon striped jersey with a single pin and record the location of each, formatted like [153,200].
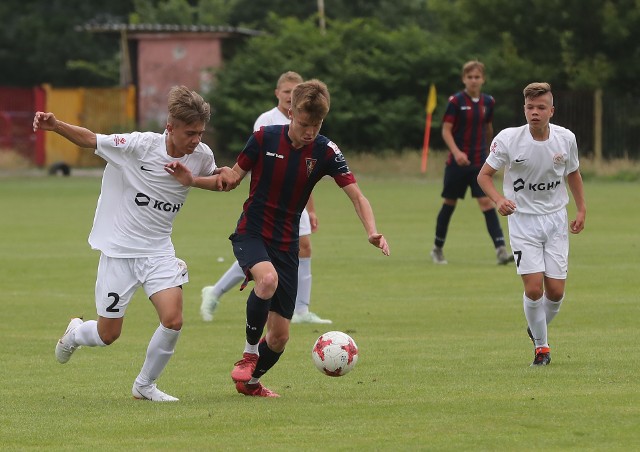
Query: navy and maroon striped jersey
[470,121]
[282,179]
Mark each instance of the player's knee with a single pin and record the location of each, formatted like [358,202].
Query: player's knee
[267,285]
[173,323]
[109,337]
[533,294]
[554,295]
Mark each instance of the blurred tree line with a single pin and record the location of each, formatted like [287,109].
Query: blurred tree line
[378,57]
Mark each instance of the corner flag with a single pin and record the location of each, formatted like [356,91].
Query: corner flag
[430,107]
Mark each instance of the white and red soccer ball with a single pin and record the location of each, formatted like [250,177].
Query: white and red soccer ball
[335,353]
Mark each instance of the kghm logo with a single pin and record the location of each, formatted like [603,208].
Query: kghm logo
[143,200]
[519,184]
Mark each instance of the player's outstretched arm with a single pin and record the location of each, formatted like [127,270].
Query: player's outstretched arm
[365,213]
[222,179]
[79,136]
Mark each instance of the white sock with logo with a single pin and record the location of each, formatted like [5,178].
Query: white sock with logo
[536,318]
[160,350]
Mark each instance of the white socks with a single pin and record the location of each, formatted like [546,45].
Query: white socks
[539,314]
[304,286]
[551,308]
[251,348]
[87,334]
[161,348]
[536,318]
[229,280]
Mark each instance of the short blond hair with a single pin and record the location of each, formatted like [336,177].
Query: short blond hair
[187,106]
[313,98]
[289,76]
[537,89]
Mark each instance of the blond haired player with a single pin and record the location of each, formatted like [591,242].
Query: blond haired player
[278,115]
[138,203]
[540,159]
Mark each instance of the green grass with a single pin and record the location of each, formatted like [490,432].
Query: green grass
[444,357]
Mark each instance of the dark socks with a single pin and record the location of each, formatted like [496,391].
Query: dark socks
[268,358]
[257,312]
[442,224]
[493,226]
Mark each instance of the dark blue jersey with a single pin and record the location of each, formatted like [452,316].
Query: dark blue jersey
[282,179]
[470,120]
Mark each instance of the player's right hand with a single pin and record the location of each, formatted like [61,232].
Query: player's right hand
[44,121]
[505,207]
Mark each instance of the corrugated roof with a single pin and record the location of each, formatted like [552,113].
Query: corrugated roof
[165,28]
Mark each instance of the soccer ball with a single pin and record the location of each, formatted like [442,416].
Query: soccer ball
[335,353]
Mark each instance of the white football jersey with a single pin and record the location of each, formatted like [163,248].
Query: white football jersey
[273,117]
[139,200]
[535,171]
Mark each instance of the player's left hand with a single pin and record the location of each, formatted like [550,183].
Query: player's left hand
[180,172]
[577,225]
[379,241]
[228,179]
[313,219]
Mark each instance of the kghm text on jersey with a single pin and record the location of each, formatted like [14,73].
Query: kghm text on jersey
[144,200]
[519,184]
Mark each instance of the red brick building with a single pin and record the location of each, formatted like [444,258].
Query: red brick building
[157,57]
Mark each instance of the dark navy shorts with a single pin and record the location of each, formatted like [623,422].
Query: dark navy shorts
[458,178]
[250,250]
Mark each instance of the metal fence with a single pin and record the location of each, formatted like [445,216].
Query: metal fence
[110,110]
[104,110]
[619,121]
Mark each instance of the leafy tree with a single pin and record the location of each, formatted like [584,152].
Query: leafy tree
[175,12]
[576,44]
[38,43]
[392,13]
[378,80]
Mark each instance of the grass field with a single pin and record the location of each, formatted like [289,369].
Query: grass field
[444,356]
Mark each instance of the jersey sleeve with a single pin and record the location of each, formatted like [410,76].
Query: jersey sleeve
[498,152]
[573,163]
[251,152]
[337,167]
[208,163]
[452,110]
[117,148]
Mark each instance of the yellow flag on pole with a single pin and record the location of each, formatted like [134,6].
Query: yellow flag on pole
[431,99]
[431,105]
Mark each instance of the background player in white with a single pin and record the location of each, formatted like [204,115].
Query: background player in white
[278,115]
[132,227]
[540,159]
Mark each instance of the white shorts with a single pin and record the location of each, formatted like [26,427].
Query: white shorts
[540,243]
[305,223]
[119,278]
